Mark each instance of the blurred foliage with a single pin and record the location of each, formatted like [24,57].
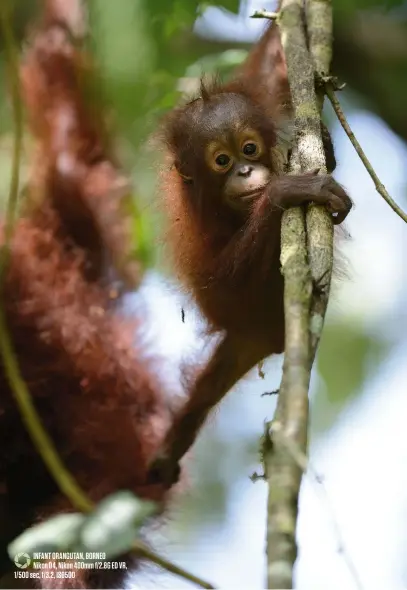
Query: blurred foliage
[347,357]
[354,353]
[112,528]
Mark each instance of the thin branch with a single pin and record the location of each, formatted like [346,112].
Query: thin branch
[304,311]
[319,223]
[306,467]
[260,371]
[319,31]
[282,473]
[41,440]
[265,14]
[11,54]
[285,455]
[170,567]
[330,92]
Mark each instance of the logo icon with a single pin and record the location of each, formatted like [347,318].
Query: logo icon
[22,560]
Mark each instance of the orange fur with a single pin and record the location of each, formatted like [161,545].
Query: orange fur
[88,371]
[226,251]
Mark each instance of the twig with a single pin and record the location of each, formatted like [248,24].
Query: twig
[170,567]
[42,441]
[329,89]
[265,14]
[306,467]
[11,54]
[273,392]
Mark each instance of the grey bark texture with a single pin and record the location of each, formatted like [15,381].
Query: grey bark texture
[306,260]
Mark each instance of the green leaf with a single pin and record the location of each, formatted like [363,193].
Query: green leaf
[231,5]
[114,525]
[56,534]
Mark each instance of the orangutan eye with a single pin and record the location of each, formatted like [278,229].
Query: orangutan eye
[222,160]
[218,157]
[250,149]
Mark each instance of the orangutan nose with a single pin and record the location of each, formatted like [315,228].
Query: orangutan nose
[245,171]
